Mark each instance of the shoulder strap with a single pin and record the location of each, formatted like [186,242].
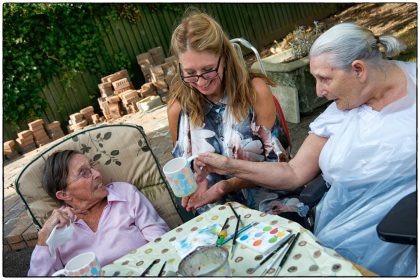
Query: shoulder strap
[282,119]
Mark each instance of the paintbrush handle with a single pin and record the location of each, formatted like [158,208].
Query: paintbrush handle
[229,237]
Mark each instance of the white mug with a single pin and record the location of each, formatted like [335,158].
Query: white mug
[85,264]
[180,176]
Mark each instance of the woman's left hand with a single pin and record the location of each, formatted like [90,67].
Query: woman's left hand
[205,195]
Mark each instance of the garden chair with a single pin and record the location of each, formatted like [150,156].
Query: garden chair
[237,43]
[122,152]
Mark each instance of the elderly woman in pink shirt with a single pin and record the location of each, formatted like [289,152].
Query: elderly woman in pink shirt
[110,220]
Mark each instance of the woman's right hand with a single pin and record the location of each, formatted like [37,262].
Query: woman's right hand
[61,217]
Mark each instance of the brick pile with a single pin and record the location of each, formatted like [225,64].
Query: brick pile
[83,118]
[10,149]
[158,70]
[39,133]
[54,130]
[26,141]
[117,95]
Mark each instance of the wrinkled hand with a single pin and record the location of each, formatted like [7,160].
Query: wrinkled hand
[200,170]
[204,195]
[61,217]
[214,163]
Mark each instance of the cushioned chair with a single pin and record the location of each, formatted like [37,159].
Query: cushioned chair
[122,153]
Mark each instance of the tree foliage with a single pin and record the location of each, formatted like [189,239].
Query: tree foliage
[43,41]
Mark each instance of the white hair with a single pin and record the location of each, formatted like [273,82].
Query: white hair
[347,42]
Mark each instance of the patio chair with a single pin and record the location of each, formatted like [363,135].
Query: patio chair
[237,43]
[122,152]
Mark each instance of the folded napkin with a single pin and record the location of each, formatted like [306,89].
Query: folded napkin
[58,237]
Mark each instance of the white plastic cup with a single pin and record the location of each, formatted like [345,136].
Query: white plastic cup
[180,176]
[85,264]
[205,261]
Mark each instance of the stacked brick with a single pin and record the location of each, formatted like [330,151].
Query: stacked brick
[158,70]
[10,149]
[118,96]
[54,130]
[76,122]
[26,141]
[87,113]
[83,118]
[113,90]
[39,133]
[129,100]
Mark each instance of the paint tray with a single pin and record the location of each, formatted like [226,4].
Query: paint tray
[263,238]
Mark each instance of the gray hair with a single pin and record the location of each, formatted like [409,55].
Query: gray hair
[347,42]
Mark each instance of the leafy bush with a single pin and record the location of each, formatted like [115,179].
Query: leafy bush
[43,41]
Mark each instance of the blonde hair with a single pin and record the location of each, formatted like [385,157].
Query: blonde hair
[200,32]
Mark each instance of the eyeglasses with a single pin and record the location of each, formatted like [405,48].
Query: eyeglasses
[85,172]
[209,75]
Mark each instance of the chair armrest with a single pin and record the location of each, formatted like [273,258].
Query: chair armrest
[400,224]
[313,191]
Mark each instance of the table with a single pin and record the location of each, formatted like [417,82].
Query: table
[308,257]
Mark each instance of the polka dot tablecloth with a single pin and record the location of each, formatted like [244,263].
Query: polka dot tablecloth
[308,258]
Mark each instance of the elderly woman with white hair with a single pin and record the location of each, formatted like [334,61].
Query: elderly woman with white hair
[364,144]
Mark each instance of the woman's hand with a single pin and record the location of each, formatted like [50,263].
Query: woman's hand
[200,170]
[61,217]
[202,188]
[205,195]
[214,163]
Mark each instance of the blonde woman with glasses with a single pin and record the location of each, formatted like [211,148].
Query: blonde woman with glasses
[218,106]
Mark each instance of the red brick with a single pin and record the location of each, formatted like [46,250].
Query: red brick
[21,226]
[31,243]
[18,246]
[31,233]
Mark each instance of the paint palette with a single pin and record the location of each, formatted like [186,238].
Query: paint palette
[263,238]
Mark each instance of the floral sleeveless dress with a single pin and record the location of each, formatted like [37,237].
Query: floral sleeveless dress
[245,140]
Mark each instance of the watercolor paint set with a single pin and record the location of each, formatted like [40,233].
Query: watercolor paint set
[263,238]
